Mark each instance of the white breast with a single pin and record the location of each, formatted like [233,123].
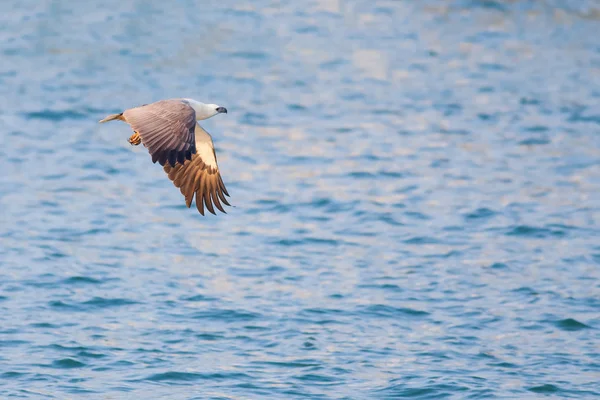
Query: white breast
[205,147]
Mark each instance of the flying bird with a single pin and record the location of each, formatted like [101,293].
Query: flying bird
[173,137]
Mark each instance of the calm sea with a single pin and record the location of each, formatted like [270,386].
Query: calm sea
[417,192]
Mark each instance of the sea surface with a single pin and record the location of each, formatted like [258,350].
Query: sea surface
[416,188]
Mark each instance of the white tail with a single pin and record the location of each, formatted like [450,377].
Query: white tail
[111,118]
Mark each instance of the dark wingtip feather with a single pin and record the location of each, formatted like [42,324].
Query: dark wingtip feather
[222,185]
[206,195]
[215,196]
[217,204]
[221,196]
[162,157]
[199,204]
[181,157]
[172,157]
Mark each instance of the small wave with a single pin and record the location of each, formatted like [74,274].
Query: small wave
[422,240]
[62,305]
[318,379]
[325,311]
[174,376]
[534,142]
[210,337]
[12,375]
[300,363]
[79,280]
[226,315]
[254,119]
[571,324]
[60,347]
[95,303]
[480,213]
[385,311]
[198,297]
[384,286]
[88,354]
[544,389]
[101,302]
[45,325]
[307,241]
[68,363]
[534,232]
[438,391]
[51,115]
[12,343]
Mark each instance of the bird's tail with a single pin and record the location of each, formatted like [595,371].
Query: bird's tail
[112,117]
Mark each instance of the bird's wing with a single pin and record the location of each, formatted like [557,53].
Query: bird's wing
[200,176]
[166,128]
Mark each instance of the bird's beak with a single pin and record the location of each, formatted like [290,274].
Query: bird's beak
[221,110]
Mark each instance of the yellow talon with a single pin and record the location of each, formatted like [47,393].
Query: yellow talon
[135,139]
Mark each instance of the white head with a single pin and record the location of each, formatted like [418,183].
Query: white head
[205,111]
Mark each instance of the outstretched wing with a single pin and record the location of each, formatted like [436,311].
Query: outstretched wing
[166,128]
[200,176]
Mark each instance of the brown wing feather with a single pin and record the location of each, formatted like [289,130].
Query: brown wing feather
[195,178]
[166,128]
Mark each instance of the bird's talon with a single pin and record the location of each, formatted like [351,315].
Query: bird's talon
[135,139]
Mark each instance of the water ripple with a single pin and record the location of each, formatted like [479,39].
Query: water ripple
[173,376]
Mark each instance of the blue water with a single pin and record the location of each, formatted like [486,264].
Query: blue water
[417,192]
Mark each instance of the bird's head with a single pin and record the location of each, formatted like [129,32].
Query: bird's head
[205,111]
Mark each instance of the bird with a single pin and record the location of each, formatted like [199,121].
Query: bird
[170,131]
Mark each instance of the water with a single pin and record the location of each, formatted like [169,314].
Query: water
[417,194]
